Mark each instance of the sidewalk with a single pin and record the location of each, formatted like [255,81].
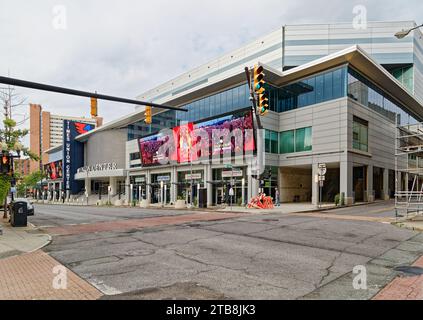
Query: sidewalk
[284,208]
[15,241]
[413,223]
[406,287]
[35,275]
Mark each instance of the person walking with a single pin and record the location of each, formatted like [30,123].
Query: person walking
[277,203]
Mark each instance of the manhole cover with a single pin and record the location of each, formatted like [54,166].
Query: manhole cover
[410,271]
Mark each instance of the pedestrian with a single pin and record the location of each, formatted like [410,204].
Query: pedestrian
[277,203]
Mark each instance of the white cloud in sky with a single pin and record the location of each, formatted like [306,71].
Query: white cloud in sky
[126,47]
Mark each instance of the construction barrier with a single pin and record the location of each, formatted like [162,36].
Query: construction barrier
[261,202]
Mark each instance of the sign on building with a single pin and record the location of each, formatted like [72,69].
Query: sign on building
[73,153]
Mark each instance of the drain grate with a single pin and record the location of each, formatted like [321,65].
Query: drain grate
[410,271]
[270,220]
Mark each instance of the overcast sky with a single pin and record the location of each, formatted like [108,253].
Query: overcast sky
[127,47]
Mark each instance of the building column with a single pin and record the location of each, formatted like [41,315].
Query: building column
[148,186]
[88,186]
[346,181]
[369,184]
[314,184]
[113,184]
[386,195]
[173,185]
[208,176]
[127,189]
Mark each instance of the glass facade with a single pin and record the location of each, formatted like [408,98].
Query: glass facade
[405,75]
[298,140]
[363,91]
[271,141]
[316,89]
[230,100]
[360,134]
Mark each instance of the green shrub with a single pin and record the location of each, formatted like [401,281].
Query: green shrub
[4,188]
[337,199]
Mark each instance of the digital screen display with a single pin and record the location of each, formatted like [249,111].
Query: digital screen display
[54,170]
[226,136]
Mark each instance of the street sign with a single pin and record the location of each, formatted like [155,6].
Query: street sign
[322,169]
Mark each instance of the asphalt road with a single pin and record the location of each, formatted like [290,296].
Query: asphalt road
[254,257]
[56,215]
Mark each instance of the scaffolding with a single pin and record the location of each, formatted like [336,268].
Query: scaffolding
[409,170]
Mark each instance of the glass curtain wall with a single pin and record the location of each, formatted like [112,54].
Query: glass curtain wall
[323,87]
[366,93]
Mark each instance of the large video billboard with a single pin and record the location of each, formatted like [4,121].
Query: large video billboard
[227,135]
[73,153]
[54,170]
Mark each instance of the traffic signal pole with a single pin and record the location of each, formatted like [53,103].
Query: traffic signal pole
[257,127]
[73,92]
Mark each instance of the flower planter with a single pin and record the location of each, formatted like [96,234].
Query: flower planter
[180,204]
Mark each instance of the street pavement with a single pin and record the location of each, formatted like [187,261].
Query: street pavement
[255,256]
[15,241]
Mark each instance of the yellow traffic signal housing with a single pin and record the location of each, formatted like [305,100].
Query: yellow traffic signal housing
[259,79]
[148,115]
[94,111]
[263,104]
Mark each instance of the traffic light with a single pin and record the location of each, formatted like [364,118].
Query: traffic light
[94,112]
[263,103]
[148,115]
[258,79]
[5,164]
[262,99]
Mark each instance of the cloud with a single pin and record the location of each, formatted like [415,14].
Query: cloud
[127,47]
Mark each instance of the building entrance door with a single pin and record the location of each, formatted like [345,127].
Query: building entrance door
[220,195]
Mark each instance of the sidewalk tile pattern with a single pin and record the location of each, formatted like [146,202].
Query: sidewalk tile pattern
[30,277]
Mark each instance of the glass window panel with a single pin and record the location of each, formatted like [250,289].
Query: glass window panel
[328,89]
[235,98]
[299,139]
[274,142]
[286,142]
[319,88]
[308,139]
[267,141]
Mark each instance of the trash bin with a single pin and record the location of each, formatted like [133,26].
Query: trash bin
[19,214]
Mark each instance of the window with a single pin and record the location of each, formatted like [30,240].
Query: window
[287,142]
[366,93]
[298,140]
[271,141]
[360,134]
[323,87]
[303,139]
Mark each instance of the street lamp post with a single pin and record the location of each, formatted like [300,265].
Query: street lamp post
[403,33]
